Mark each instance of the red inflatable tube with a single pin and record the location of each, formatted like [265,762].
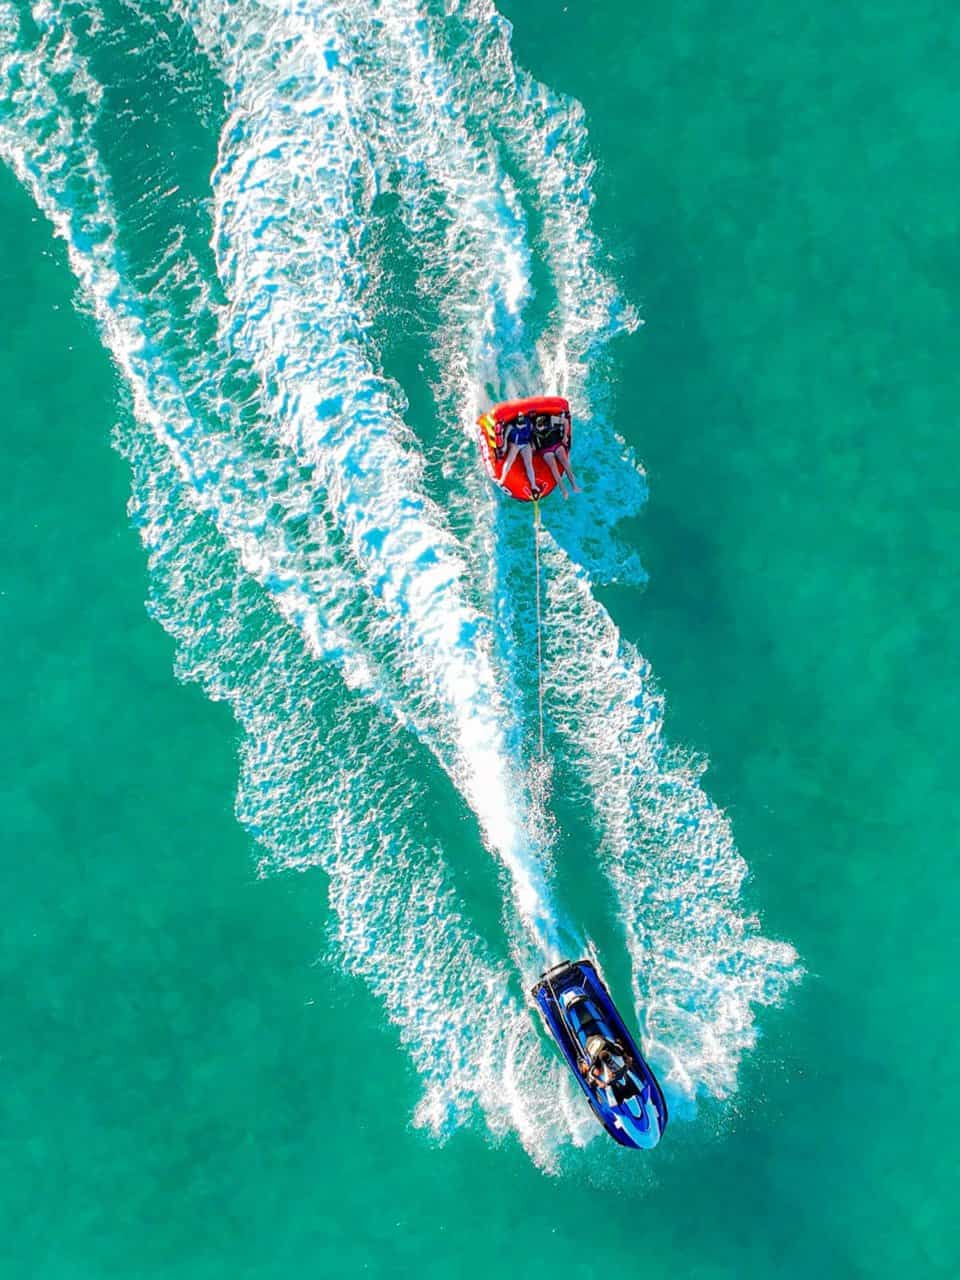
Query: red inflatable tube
[491,429]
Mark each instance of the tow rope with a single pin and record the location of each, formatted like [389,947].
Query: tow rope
[536,555]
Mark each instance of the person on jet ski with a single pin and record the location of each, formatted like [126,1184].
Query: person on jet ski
[608,1062]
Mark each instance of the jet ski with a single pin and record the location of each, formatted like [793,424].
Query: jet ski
[622,1090]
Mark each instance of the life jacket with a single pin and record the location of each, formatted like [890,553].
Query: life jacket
[548,430]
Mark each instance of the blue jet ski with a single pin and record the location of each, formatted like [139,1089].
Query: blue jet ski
[603,1056]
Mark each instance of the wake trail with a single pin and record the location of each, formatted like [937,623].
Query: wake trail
[408,565]
[699,965]
[307,793]
[283,502]
[291,198]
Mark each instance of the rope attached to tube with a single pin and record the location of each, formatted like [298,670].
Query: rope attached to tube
[536,552]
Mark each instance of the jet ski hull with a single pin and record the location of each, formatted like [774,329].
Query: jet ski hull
[573,1001]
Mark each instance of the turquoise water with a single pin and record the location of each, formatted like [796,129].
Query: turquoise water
[276,875]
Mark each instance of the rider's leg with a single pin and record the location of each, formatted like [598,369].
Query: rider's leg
[508,462]
[565,463]
[551,462]
[526,453]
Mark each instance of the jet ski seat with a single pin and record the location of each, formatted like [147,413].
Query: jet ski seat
[583,1020]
